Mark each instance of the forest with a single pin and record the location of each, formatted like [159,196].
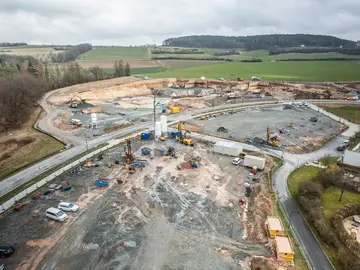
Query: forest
[259,41]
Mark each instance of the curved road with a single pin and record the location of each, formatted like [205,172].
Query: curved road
[312,249]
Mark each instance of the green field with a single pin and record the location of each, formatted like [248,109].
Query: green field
[115,53]
[351,114]
[302,174]
[136,71]
[283,71]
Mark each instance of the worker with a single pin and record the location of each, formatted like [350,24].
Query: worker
[241,201]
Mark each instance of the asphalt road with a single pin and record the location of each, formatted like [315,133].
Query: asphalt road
[312,249]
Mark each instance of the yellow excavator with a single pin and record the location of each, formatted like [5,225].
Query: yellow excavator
[273,141]
[184,139]
[76,100]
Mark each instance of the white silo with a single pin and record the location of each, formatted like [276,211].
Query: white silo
[93,120]
[157,130]
[163,121]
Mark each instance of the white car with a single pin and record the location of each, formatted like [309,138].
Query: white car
[56,214]
[68,207]
[237,161]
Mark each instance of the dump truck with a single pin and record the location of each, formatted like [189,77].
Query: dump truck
[251,161]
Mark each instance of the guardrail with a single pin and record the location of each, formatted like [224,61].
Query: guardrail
[12,201]
[9,203]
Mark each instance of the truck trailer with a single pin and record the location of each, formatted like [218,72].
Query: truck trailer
[251,161]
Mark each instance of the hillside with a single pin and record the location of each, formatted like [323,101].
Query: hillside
[259,41]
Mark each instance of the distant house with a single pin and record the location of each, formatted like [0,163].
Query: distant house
[302,46]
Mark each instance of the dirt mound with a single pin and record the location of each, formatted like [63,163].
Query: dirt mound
[261,263]
[259,207]
[109,90]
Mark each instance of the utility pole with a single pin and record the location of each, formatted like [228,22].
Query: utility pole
[153,92]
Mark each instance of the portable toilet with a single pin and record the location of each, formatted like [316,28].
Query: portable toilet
[284,250]
[274,226]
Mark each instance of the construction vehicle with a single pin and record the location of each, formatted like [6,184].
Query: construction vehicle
[353,98]
[272,140]
[204,117]
[76,100]
[182,138]
[255,79]
[145,151]
[161,105]
[174,110]
[162,139]
[76,122]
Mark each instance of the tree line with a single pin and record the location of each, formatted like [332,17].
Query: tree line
[349,51]
[12,44]
[309,198]
[71,53]
[259,41]
[24,79]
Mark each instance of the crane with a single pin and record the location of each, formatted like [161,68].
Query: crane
[273,141]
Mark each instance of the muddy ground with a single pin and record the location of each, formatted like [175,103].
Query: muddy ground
[250,123]
[159,218]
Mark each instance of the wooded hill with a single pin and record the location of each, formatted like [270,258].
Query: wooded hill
[259,42]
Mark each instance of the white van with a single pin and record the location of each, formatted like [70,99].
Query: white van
[56,214]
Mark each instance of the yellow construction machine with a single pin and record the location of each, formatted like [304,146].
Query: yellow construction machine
[184,139]
[274,140]
[76,100]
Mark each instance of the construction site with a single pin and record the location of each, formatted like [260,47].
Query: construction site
[169,197]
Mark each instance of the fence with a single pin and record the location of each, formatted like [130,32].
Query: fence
[12,201]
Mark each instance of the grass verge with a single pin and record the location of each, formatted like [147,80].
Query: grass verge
[42,147]
[350,113]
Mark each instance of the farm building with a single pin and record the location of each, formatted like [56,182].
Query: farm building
[274,227]
[284,250]
[228,148]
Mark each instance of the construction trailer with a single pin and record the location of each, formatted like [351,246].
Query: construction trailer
[274,226]
[228,148]
[251,161]
[284,249]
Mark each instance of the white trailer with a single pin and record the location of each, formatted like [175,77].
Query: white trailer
[228,148]
[251,161]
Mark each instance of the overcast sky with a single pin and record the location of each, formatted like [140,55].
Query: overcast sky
[137,22]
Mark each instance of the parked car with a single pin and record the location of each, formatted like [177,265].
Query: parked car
[237,161]
[68,207]
[56,214]
[6,251]
[341,148]
[346,143]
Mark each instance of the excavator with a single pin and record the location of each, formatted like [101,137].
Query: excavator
[76,100]
[272,141]
[184,139]
[161,105]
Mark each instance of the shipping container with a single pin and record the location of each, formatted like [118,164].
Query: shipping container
[251,161]
[228,148]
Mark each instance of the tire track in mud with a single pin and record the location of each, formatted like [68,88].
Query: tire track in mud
[188,205]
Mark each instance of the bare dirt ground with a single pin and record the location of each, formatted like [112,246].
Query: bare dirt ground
[159,218]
